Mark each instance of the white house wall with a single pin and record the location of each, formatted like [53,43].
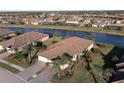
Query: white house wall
[90,47]
[43,59]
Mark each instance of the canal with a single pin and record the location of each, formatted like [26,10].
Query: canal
[99,37]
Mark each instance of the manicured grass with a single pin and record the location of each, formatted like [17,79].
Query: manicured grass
[81,75]
[18,62]
[9,68]
[53,40]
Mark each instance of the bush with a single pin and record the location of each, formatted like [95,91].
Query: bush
[53,42]
[95,50]
[19,55]
[115,58]
[101,45]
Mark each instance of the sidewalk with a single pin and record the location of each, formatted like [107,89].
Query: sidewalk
[12,65]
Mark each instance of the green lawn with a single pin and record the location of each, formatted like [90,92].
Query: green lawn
[9,68]
[53,40]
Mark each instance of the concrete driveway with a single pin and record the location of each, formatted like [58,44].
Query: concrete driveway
[43,77]
[4,55]
[31,71]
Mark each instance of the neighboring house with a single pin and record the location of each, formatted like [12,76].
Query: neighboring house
[116,26]
[99,25]
[16,43]
[73,21]
[48,20]
[86,23]
[74,46]
[7,33]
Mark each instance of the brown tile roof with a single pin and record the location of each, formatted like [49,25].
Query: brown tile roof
[23,39]
[6,32]
[72,46]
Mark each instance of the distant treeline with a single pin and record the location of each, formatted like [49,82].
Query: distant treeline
[65,12]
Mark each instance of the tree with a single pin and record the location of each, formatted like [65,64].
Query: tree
[115,58]
[86,56]
[107,74]
[27,50]
[39,45]
[56,66]
[67,59]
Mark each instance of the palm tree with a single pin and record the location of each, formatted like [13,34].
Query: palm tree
[27,51]
[39,45]
[56,66]
[71,64]
[86,56]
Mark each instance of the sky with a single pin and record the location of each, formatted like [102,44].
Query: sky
[60,5]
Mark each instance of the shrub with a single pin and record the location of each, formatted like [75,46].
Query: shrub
[115,58]
[19,55]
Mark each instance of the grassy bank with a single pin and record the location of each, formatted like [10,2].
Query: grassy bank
[9,68]
[69,28]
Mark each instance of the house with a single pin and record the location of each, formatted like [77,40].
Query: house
[98,25]
[116,26]
[73,46]
[16,43]
[73,21]
[86,23]
[7,33]
[48,20]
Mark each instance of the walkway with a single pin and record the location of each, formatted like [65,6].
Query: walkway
[12,65]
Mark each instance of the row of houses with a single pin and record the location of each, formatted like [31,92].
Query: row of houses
[16,43]
[74,46]
[64,19]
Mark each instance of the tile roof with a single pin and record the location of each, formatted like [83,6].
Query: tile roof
[71,46]
[23,39]
[6,32]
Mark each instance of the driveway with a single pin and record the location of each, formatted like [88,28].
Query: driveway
[31,71]
[43,77]
[4,55]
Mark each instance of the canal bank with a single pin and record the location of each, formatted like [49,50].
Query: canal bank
[69,28]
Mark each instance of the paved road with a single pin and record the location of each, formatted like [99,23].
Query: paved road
[8,77]
[43,77]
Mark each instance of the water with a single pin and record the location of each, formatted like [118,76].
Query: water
[99,37]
